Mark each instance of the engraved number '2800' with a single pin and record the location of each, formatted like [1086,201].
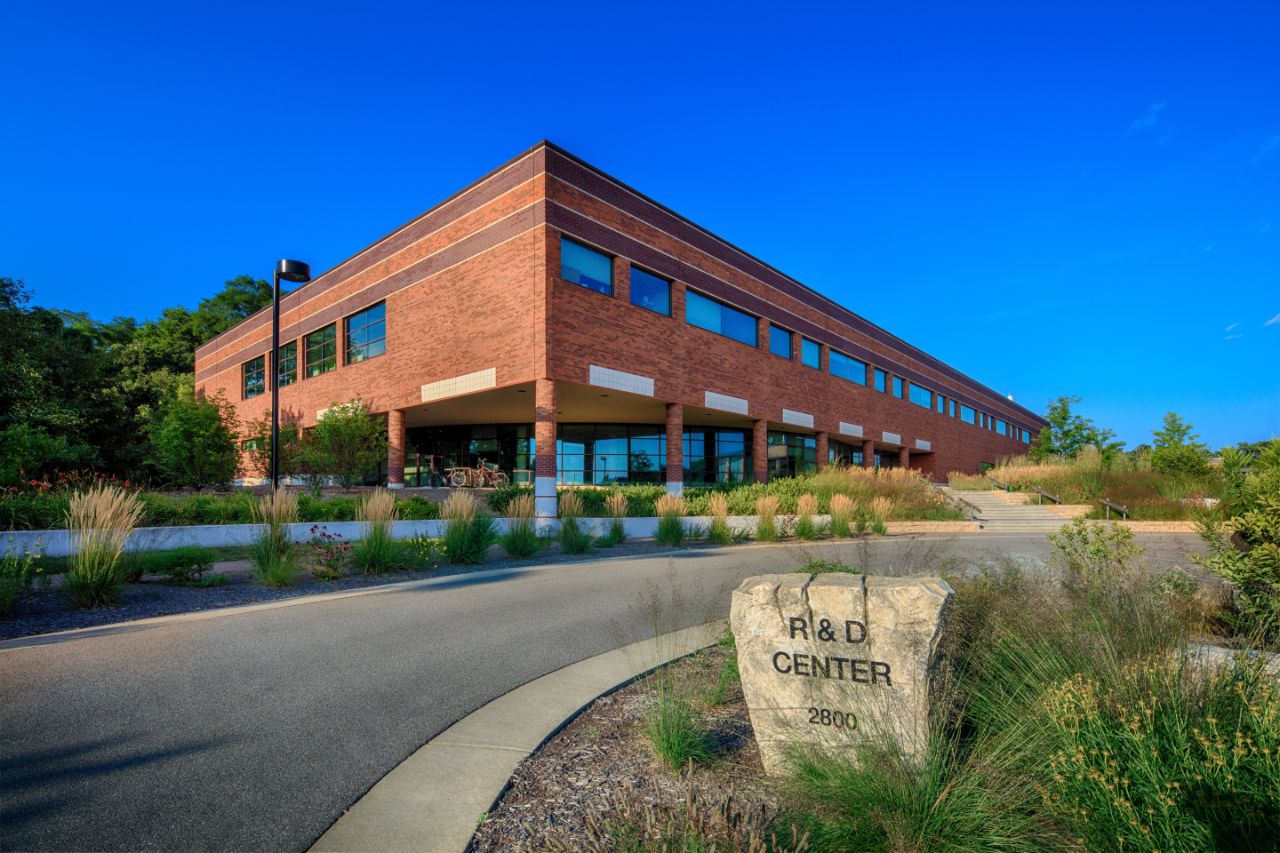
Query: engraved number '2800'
[827,717]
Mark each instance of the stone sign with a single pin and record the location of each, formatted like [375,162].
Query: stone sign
[830,659]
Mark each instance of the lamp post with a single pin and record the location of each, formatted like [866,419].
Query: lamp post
[289,271]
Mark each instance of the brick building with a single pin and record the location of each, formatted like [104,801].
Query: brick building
[552,320]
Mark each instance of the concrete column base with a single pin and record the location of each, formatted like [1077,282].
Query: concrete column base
[676,489]
[395,485]
[544,497]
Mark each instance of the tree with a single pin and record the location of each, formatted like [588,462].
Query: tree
[1176,449]
[291,461]
[1068,433]
[241,297]
[28,453]
[346,443]
[194,441]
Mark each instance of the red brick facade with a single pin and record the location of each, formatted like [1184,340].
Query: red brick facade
[473,293]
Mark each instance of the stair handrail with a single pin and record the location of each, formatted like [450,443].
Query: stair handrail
[1003,486]
[1041,494]
[1120,508]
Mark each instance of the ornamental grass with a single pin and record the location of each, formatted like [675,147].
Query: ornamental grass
[841,515]
[616,505]
[377,552]
[806,508]
[767,518]
[521,538]
[468,532]
[574,538]
[670,509]
[100,520]
[718,508]
[275,560]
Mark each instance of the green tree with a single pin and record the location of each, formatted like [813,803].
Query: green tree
[292,450]
[1176,449]
[28,453]
[346,443]
[194,441]
[1067,433]
[241,297]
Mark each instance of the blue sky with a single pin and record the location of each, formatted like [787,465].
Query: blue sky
[1079,202]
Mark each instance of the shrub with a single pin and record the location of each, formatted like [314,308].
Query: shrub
[766,522]
[806,507]
[100,520]
[718,508]
[377,552]
[194,443]
[346,443]
[670,509]
[573,538]
[841,515]
[616,505]
[674,725]
[275,560]
[521,538]
[18,572]
[468,533]
[329,553]
[184,564]
[1098,558]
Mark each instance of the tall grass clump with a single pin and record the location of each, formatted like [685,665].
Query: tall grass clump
[670,509]
[767,518]
[806,508]
[100,520]
[675,725]
[521,538]
[880,510]
[377,552]
[841,515]
[718,508]
[275,560]
[467,532]
[616,505]
[574,538]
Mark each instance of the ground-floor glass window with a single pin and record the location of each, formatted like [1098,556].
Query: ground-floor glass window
[431,450]
[791,454]
[713,455]
[839,453]
[887,459]
[600,454]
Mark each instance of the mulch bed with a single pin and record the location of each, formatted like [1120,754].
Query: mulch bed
[600,771]
[45,611]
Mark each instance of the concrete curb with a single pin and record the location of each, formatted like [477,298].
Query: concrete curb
[432,801]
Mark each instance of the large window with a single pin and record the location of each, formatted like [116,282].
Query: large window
[1002,427]
[848,368]
[921,396]
[967,414]
[779,342]
[599,454]
[367,333]
[942,404]
[1026,437]
[810,353]
[839,453]
[897,387]
[719,318]
[288,373]
[951,406]
[253,377]
[791,454]
[716,455]
[586,267]
[882,380]
[649,291]
[320,351]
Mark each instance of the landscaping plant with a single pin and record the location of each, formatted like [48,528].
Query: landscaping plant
[766,518]
[841,515]
[806,508]
[574,539]
[670,509]
[99,521]
[18,573]
[718,508]
[377,552]
[329,553]
[185,564]
[521,538]
[468,532]
[616,506]
[675,726]
[275,560]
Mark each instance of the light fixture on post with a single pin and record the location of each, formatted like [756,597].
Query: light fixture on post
[295,271]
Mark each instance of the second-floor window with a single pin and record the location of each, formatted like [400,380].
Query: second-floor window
[779,342]
[882,380]
[706,313]
[586,267]
[320,351]
[810,353]
[649,291]
[367,333]
[921,396]
[253,377]
[288,364]
[848,368]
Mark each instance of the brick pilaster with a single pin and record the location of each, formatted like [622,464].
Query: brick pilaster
[820,451]
[395,449]
[675,448]
[760,450]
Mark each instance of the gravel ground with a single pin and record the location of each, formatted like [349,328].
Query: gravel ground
[600,772]
[48,610]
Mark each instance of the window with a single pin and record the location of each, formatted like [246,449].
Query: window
[253,377]
[586,267]
[779,342]
[810,353]
[1026,437]
[882,379]
[791,454]
[251,444]
[714,317]
[839,453]
[942,404]
[600,454]
[897,387]
[288,359]
[716,455]
[320,350]
[848,368]
[367,333]
[649,291]
[967,414]
[921,396]
[951,404]
[1002,427]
